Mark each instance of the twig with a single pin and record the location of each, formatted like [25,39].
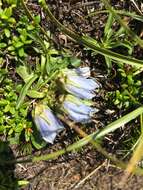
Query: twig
[136,6]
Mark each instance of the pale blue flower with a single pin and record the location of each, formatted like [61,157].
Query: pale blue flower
[78,110]
[77,83]
[81,71]
[81,87]
[80,92]
[47,123]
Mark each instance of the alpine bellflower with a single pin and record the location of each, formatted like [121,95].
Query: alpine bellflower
[76,103]
[47,123]
[79,84]
[78,110]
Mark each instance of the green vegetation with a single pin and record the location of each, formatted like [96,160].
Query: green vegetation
[30,71]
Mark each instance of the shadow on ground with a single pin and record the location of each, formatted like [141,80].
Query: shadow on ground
[7,178]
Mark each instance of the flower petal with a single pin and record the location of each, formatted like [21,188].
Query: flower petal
[77,109]
[79,92]
[82,118]
[46,132]
[54,122]
[81,109]
[50,138]
[81,82]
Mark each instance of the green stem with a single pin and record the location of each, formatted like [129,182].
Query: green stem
[121,12]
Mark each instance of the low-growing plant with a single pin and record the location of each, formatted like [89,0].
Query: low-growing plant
[129,88]
[29,67]
[43,88]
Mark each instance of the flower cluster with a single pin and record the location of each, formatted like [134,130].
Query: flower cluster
[77,104]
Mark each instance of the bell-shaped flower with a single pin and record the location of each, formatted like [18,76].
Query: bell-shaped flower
[78,110]
[77,84]
[47,123]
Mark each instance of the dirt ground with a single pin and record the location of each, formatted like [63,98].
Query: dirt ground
[86,169]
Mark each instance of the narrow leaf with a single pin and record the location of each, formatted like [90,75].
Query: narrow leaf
[24,91]
[120,122]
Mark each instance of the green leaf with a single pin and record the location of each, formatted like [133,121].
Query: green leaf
[108,27]
[12,2]
[37,19]
[3,45]
[18,44]
[10,131]
[7,32]
[7,108]
[3,102]
[19,128]
[48,63]
[37,141]
[12,110]
[30,27]
[10,48]
[23,38]
[8,12]
[28,41]
[27,135]
[12,20]
[14,140]
[25,90]
[75,62]
[43,62]
[108,63]
[23,182]
[23,73]
[21,52]
[35,94]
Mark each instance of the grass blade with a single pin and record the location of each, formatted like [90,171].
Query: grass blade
[120,12]
[24,91]
[119,122]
